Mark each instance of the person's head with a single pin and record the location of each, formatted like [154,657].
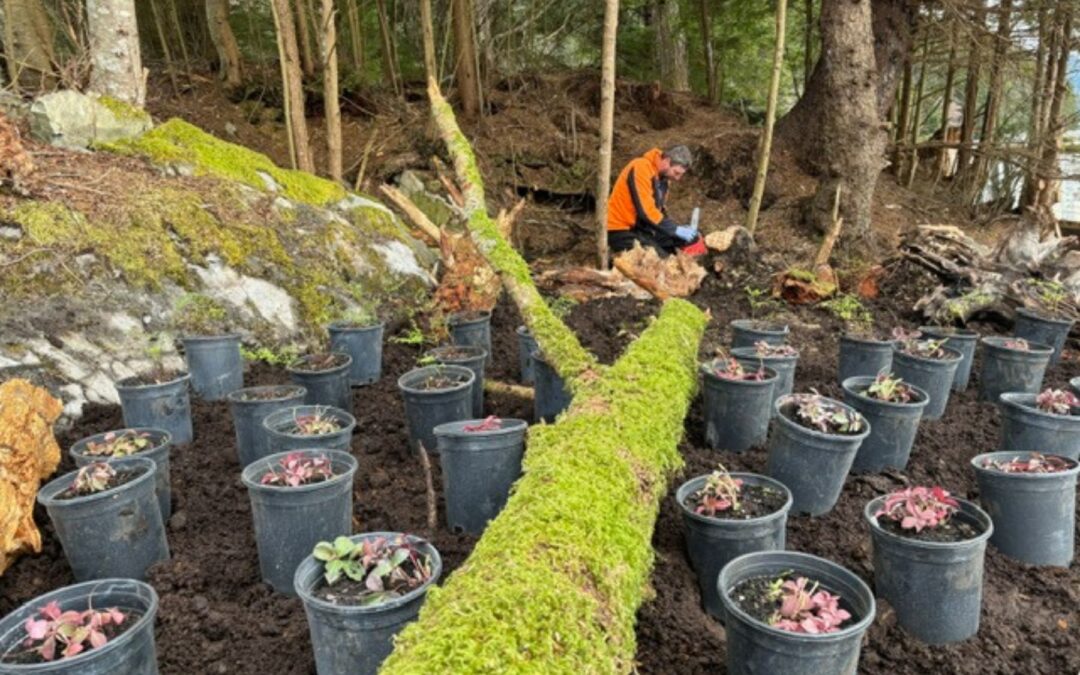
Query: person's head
[675,161]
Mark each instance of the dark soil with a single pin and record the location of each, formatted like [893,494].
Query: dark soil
[754,501]
[353,593]
[752,596]
[123,476]
[153,377]
[319,363]
[439,382]
[30,655]
[269,394]
[952,530]
[454,354]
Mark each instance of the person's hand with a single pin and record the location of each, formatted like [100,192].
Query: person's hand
[686,233]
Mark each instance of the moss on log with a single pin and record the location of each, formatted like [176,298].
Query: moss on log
[556,580]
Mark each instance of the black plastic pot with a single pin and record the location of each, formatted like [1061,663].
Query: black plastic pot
[215,364]
[1035,327]
[115,533]
[472,358]
[364,344]
[712,543]
[737,412]
[478,468]
[351,639]
[935,587]
[164,406]
[863,357]
[426,409]
[932,376]
[892,426]
[813,465]
[160,444]
[471,330]
[1005,369]
[131,652]
[324,387]
[526,346]
[289,521]
[1034,514]
[252,441]
[1025,428]
[963,341]
[783,365]
[550,395]
[745,332]
[278,427]
[755,648]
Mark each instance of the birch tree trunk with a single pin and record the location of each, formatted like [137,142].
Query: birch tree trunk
[28,47]
[328,44]
[221,34]
[117,69]
[292,86]
[765,147]
[607,123]
[468,79]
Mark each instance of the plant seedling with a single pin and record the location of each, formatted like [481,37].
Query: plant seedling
[358,317]
[315,424]
[1056,401]
[120,444]
[890,389]
[816,412]
[73,632]
[1035,463]
[93,478]
[490,423]
[1019,344]
[1049,294]
[901,334]
[729,368]
[917,508]
[762,348]
[925,349]
[386,568]
[297,469]
[805,610]
[721,493]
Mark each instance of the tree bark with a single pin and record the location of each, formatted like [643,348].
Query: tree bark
[303,32]
[607,123]
[1048,187]
[710,56]
[671,47]
[903,108]
[894,29]
[117,69]
[465,70]
[916,115]
[427,30]
[221,34]
[356,34]
[994,93]
[946,99]
[389,62]
[292,86]
[808,44]
[971,93]
[328,44]
[28,47]
[765,147]
[159,25]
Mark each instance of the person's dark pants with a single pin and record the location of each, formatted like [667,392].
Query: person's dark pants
[623,240]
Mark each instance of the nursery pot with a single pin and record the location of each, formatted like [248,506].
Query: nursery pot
[426,409]
[115,533]
[713,542]
[352,639]
[1034,514]
[737,411]
[1025,428]
[935,587]
[215,364]
[1074,384]
[278,427]
[324,387]
[1035,327]
[755,648]
[160,443]
[289,521]
[892,426]
[469,357]
[745,332]
[963,341]
[550,395]
[129,653]
[783,365]
[364,345]
[812,464]
[526,346]
[863,357]
[471,328]
[1005,369]
[478,469]
[933,376]
[165,406]
[252,441]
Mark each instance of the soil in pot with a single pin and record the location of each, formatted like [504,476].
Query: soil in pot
[439,382]
[320,363]
[758,597]
[154,377]
[122,476]
[29,655]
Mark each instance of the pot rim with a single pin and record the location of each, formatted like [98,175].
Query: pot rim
[961,334]
[347,418]
[237,396]
[780,402]
[773,329]
[747,353]
[998,342]
[978,460]
[247,475]
[849,384]
[478,352]
[456,319]
[692,483]
[770,377]
[974,511]
[951,356]
[294,366]
[1024,401]
[415,372]
[347,327]
[163,438]
[1032,313]
[455,430]
[123,385]
[885,343]
[47,496]
[217,337]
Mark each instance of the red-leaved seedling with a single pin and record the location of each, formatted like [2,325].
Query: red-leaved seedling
[386,567]
[1056,401]
[119,444]
[816,412]
[73,632]
[901,334]
[1035,463]
[490,423]
[721,493]
[93,478]
[316,424]
[805,610]
[299,469]
[917,508]
[762,348]
[1019,344]
[729,368]
[890,389]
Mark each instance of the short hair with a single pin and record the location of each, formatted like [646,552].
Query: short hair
[679,154]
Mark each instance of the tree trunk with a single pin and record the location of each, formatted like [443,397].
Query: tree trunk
[894,28]
[1047,29]
[710,56]
[971,93]
[808,44]
[389,63]
[303,32]
[1049,186]
[292,86]
[221,34]
[607,123]
[903,109]
[466,75]
[181,38]
[993,102]
[159,25]
[946,101]
[328,44]
[916,115]
[765,147]
[428,34]
[671,47]
[28,47]
[356,35]
[117,69]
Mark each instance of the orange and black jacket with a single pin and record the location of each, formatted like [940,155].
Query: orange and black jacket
[637,200]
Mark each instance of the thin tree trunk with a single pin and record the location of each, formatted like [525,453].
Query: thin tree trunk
[28,47]
[893,30]
[988,133]
[707,43]
[671,47]
[292,86]
[328,43]
[221,34]
[946,99]
[468,80]
[356,35]
[1055,129]
[1035,127]
[303,32]
[808,44]
[389,63]
[916,117]
[181,39]
[159,24]
[117,69]
[428,33]
[765,147]
[903,108]
[607,121]
[971,93]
